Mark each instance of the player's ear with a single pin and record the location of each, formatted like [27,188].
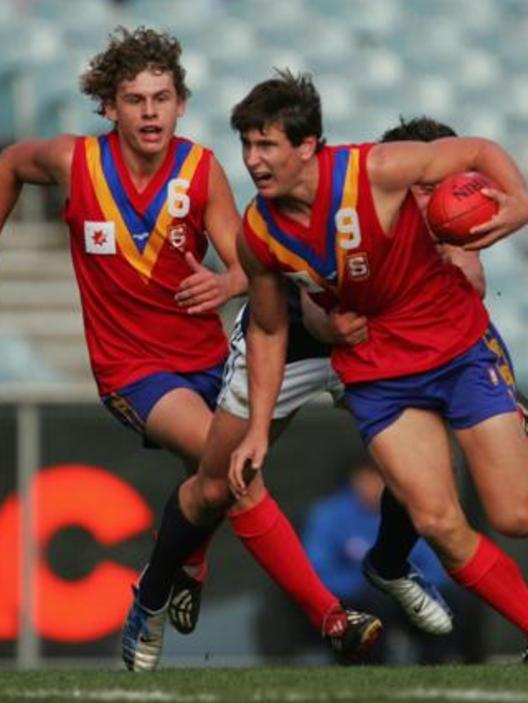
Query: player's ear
[308,147]
[110,111]
[181,107]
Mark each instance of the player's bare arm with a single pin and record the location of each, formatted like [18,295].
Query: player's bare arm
[36,161]
[205,290]
[266,340]
[334,328]
[394,167]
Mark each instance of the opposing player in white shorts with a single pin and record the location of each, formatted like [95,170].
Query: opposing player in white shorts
[308,374]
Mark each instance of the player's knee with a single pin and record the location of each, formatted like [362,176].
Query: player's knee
[512,522]
[215,495]
[438,527]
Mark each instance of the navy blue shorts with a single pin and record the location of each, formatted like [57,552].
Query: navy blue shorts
[132,404]
[467,390]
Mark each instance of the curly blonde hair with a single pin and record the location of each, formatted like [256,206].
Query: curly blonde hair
[127,54]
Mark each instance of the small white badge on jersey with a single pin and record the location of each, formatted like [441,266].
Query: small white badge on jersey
[99,237]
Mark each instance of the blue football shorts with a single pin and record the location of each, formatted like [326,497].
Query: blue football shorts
[132,404]
[469,389]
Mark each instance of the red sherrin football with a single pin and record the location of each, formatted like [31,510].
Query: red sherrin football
[457,205]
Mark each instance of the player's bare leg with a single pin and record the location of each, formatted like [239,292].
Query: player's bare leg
[420,476]
[256,520]
[144,628]
[414,456]
[497,455]
[349,632]
[160,591]
[180,422]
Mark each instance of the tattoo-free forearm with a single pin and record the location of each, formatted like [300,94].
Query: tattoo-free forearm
[266,355]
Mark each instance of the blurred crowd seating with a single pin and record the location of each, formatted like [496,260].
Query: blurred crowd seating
[41,332]
[462,62]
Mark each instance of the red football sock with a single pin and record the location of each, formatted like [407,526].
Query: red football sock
[196,563]
[496,578]
[269,537]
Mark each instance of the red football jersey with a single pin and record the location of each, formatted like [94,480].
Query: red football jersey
[128,253]
[421,311]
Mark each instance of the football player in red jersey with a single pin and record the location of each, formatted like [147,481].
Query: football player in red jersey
[343,222]
[141,204]
[382,565]
[346,217]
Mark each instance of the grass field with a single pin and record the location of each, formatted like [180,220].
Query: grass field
[456,684]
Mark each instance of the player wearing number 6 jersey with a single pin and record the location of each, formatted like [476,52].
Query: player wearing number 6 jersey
[132,248]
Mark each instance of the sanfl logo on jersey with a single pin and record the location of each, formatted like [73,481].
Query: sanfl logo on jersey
[357,266]
[178,236]
[99,237]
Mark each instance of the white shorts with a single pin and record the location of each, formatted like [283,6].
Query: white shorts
[303,381]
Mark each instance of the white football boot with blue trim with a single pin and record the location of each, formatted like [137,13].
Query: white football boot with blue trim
[421,600]
[142,637]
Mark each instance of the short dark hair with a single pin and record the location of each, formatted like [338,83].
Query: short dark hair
[129,53]
[419,129]
[288,100]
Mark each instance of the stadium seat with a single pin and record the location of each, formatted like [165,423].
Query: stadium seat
[19,361]
[464,63]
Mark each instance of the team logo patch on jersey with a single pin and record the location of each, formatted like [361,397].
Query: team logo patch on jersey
[357,267]
[99,237]
[177,235]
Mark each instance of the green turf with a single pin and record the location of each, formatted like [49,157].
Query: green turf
[456,684]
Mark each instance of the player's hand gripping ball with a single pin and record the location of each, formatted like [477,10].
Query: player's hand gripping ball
[457,205]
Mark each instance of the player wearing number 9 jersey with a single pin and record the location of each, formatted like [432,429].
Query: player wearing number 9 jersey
[345,218]
[376,267]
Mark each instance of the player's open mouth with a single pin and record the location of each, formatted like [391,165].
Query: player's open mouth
[150,131]
[261,179]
